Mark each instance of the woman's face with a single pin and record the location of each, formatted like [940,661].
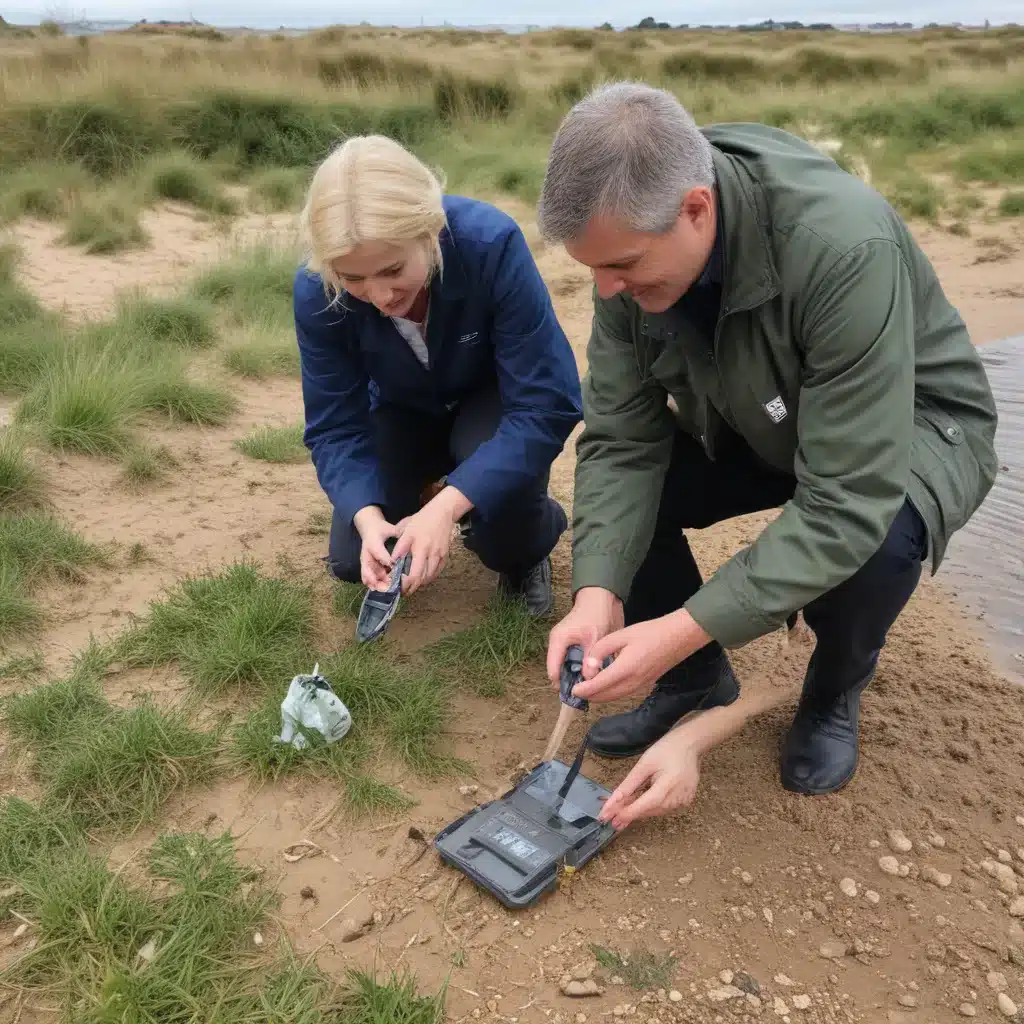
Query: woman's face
[389,275]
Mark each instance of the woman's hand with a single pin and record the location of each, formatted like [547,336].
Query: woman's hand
[375,563]
[671,770]
[428,536]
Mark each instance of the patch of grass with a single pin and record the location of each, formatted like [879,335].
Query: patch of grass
[641,969]
[39,548]
[17,305]
[122,773]
[22,665]
[914,197]
[102,765]
[367,797]
[483,656]
[1011,205]
[232,628]
[402,708]
[395,1001]
[21,482]
[277,189]
[143,466]
[274,444]
[29,833]
[179,178]
[185,401]
[995,163]
[179,323]
[346,598]
[105,225]
[252,289]
[84,401]
[43,191]
[462,97]
[263,354]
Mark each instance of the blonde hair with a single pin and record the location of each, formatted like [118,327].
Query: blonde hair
[369,189]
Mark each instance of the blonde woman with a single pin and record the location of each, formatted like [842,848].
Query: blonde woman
[429,351]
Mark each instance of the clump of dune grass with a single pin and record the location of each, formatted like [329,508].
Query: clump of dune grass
[277,189]
[144,465]
[181,936]
[346,598]
[17,305]
[181,400]
[1011,205]
[253,288]
[21,481]
[482,657]
[102,765]
[43,191]
[105,225]
[178,177]
[175,323]
[274,444]
[260,354]
[233,628]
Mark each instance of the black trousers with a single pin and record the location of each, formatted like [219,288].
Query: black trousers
[414,450]
[850,622]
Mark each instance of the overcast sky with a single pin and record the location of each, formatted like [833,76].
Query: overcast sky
[301,13]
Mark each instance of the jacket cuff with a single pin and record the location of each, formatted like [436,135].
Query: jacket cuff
[351,500]
[725,616]
[606,571]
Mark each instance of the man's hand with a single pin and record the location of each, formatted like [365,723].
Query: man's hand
[643,652]
[374,561]
[428,535]
[671,768]
[595,613]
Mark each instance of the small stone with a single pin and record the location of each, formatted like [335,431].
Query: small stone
[898,842]
[967,1010]
[754,1002]
[725,977]
[351,929]
[889,865]
[747,878]
[768,916]
[936,877]
[577,989]
[20,930]
[619,1011]
[781,979]
[257,939]
[871,896]
[874,844]
[581,1018]
[848,887]
[1017,907]
[307,892]
[1004,856]
[723,994]
[801,1002]
[747,983]
[907,1000]
[996,981]
[583,971]
[832,949]
[904,870]
[675,996]
[492,1005]
[937,841]
[468,790]
[1020,820]
[1007,1007]
[780,1007]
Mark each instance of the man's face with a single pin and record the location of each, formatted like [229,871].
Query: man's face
[654,270]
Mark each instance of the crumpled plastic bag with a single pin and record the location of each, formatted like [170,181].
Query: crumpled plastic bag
[311,703]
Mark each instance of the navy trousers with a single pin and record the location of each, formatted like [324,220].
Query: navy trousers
[414,450]
[850,622]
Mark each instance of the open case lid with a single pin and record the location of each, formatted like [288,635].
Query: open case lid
[516,846]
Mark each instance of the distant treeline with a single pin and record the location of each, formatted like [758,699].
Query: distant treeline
[647,24]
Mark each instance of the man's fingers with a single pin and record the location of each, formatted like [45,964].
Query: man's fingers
[638,775]
[654,801]
[403,545]
[609,683]
[602,649]
[558,644]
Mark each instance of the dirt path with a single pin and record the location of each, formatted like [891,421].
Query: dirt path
[750,880]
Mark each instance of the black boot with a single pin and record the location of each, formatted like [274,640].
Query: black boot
[534,586]
[821,749]
[678,694]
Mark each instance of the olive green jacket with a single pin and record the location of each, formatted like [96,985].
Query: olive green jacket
[836,356]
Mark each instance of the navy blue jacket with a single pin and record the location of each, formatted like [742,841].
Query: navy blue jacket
[491,320]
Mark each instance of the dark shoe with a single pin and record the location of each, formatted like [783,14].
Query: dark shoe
[534,586]
[632,732]
[821,749]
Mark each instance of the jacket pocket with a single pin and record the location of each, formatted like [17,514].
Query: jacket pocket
[944,460]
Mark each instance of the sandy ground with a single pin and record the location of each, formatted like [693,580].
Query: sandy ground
[786,890]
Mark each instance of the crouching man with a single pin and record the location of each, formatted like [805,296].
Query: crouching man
[766,334]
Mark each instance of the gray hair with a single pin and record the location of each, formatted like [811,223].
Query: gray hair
[626,150]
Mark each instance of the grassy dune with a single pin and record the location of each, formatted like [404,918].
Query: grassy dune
[93,130]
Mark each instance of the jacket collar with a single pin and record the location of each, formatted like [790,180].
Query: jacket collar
[749,274]
[451,283]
